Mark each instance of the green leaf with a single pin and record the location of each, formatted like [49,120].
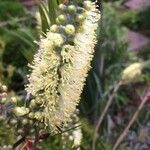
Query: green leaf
[44,19]
[52,6]
[22,35]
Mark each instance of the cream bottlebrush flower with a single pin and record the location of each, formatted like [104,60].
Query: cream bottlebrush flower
[132,72]
[60,68]
[71,88]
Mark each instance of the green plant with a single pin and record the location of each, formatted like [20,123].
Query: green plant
[112,92]
[137,20]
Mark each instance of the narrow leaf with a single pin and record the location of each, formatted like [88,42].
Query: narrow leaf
[52,6]
[44,21]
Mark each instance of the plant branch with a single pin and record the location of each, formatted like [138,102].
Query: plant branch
[124,133]
[36,139]
[19,142]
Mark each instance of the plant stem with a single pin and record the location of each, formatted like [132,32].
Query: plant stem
[36,139]
[103,114]
[19,142]
[124,133]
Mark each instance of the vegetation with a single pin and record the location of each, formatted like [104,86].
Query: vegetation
[114,106]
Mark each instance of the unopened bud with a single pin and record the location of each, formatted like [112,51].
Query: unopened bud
[3,100]
[21,111]
[70,29]
[4,88]
[25,121]
[62,18]
[80,18]
[13,121]
[62,7]
[54,28]
[87,5]
[14,100]
[72,9]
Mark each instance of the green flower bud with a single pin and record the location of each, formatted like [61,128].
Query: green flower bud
[13,121]
[30,122]
[32,131]
[33,104]
[14,100]
[25,121]
[2,118]
[20,131]
[4,88]
[54,28]
[31,115]
[70,29]
[72,9]
[87,5]
[8,126]
[3,100]
[62,7]
[58,21]
[62,18]
[80,18]
[4,147]
[9,147]
[21,111]
[41,125]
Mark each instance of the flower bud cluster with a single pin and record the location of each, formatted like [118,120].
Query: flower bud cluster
[74,136]
[14,114]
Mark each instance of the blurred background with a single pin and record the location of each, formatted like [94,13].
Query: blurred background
[123,38]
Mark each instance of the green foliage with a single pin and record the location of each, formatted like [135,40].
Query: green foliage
[47,14]
[137,20]
[110,58]
[52,6]
[53,142]
[16,44]
[17,50]
[9,8]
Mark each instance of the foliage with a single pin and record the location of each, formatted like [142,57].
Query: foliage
[6,134]
[47,13]
[15,56]
[137,20]
[110,58]
[10,9]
